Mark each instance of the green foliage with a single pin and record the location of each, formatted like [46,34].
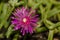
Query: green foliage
[15,2]
[10,30]
[51,33]
[16,37]
[48,9]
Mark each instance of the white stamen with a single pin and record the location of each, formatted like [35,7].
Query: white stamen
[24,20]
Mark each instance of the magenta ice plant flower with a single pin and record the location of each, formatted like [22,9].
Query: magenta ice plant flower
[25,20]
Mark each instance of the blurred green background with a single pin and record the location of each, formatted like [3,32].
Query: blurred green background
[49,22]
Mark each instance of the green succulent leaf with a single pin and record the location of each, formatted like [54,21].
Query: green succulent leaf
[9,31]
[41,29]
[53,12]
[51,33]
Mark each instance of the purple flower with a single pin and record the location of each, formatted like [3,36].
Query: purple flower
[24,20]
